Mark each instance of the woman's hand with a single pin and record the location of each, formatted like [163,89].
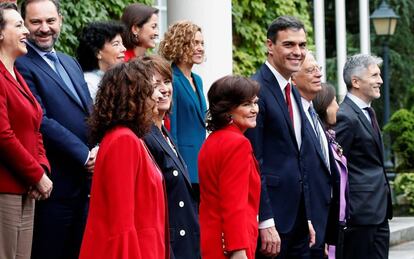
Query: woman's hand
[239,254]
[44,187]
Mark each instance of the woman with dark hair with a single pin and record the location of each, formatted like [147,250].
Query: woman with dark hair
[182,206]
[23,163]
[127,213]
[141,22]
[183,45]
[326,106]
[100,47]
[229,173]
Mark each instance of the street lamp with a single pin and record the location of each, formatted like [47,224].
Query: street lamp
[385,21]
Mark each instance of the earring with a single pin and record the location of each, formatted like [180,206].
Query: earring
[136,35]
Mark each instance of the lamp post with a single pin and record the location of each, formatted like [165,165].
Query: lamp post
[385,21]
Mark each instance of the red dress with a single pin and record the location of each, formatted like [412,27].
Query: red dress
[230,194]
[127,214]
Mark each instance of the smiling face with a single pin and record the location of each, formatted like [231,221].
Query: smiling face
[244,116]
[198,44]
[308,78]
[148,33]
[44,24]
[111,53]
[288,51]
[164,86]
[367,85]
[14,34]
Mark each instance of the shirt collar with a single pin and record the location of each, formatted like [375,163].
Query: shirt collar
[358,101]
[280,79]
[306,104]
[39,51]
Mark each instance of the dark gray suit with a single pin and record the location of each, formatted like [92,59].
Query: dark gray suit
[369,191]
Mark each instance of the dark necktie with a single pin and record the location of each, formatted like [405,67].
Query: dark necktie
[318,132]
[374,122]
[60,70]
[289,102]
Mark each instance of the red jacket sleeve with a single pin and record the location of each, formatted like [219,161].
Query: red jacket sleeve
[13,153]
[110,231]
[234,187]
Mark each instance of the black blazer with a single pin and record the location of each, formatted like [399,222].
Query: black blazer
[63,125]
[369,190]
[280,159]
[182,207]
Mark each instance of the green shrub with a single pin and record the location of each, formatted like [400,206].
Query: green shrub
[404,187]
[401,130]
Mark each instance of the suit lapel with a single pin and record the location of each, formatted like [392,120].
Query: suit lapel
[315,140]
[72,74]
[197,100]
[178,161]
[43,65]
[366,123]
[274,88]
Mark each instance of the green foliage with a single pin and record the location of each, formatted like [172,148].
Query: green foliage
[250,21]
[77,13]
[401,129]
[404,187]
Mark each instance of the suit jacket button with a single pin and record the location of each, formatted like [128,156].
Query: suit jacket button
[175,173]
[182,232]
[181,204]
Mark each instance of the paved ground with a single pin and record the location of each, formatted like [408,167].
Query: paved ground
[403,251]
[402,238]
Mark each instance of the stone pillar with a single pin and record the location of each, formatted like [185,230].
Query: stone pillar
[319,29]
[364,32]
[340,45]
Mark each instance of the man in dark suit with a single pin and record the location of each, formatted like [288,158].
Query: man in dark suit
[277,142]
[319,164]
[57,82]
[367,234]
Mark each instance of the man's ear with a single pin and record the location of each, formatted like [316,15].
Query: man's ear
[269,46]
[355,82]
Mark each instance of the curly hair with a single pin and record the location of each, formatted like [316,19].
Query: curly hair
[123,99]
[135,14]
[226,94]
[92,39]
[178,43]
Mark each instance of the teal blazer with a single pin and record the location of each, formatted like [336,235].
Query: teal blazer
[187,119]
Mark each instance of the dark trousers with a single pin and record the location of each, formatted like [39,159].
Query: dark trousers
[366,242]
[295,244]
[58,228]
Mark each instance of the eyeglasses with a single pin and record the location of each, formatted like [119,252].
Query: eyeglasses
[313,69]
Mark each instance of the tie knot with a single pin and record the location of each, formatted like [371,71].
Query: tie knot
[52,56]
[312,111]
[287,89]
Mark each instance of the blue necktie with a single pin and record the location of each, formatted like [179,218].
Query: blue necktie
[60,70]
[315,121]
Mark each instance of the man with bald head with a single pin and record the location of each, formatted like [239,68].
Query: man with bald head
[318,164]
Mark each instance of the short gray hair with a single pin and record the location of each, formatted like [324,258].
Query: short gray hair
[356,65]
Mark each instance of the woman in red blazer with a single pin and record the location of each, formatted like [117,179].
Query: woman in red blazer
[229,177]
[127,214]
[23,162]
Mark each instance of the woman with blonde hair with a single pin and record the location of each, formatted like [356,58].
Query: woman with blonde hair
[183,45]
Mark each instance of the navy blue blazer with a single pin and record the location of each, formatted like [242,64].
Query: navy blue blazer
[63,126]
[277,152]
[323,186]
[187,117]
[182,207]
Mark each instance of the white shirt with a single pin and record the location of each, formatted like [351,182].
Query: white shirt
[306,104]
[361,104]
[93,79]
[295,107]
